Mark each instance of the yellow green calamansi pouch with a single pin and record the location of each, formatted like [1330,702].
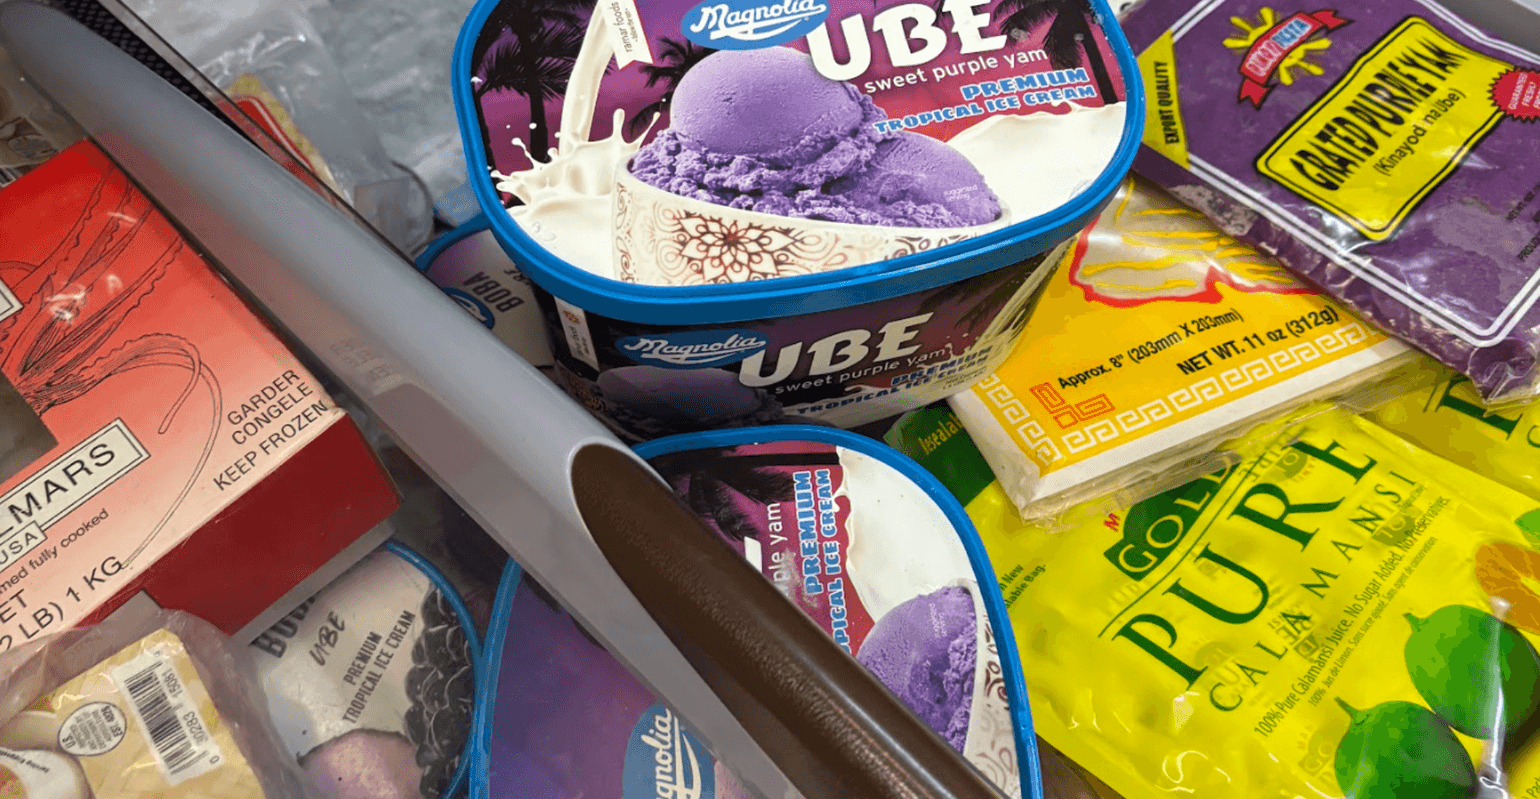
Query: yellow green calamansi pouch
[1315,621]
[1449,419]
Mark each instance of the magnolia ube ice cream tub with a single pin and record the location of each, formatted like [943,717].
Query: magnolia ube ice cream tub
[859,536]
[768,211]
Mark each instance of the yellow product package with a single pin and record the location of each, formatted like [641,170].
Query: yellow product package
[138,725]
[1315,621]
[1449,419]
[1157,337]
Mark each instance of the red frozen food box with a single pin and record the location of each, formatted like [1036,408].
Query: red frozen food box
[156,437]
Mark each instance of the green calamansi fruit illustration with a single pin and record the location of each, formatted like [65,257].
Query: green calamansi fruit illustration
[1530,524]
[1460,658]
[1398,750]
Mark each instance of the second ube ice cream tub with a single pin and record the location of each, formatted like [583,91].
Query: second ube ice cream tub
[873,548]
[770,211]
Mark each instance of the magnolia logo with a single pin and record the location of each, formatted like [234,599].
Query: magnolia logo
[693,350]
[473,306]
[663,761]
[747,26]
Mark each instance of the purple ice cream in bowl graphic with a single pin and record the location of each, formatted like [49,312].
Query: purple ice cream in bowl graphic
[875,192]
[770,170]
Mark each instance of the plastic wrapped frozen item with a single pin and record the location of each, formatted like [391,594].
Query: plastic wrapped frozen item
[394,56]
[472,268]
[1449,419]
[371,682]
[1338,614]
[764,212]
[884,560]
[149,705]
[266,55]
[1383,151]
[1157,337]
[31,129]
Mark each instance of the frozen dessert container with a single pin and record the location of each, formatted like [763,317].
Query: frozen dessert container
[557,716]
[472,268]
[879,554]
[753,212]
[371,683]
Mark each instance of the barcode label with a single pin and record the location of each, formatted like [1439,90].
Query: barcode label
[167,716]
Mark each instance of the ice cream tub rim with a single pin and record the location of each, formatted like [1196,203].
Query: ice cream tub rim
[478,666]
[478,749]
[800,294]
[448,239]
[978,557]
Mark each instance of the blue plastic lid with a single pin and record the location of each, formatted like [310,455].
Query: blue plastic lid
[802,294]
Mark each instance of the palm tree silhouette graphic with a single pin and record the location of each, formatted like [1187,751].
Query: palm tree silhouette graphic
[528,47]
[1068,35]
[674,59]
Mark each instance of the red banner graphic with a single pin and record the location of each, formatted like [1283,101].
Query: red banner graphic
[1268,52]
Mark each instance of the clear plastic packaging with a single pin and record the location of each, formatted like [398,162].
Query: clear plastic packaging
[267,55]
[1383,151]
[151,703]
[31,129]
[394,55]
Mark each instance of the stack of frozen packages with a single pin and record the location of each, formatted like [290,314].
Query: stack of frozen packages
[1158,337]
[1384,152]
[800,217]
[156,437]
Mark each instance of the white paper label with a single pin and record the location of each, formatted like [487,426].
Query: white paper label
[74,477]
[626,35]
[575,323]
[93,730]
[340,661]
[40,775]
[178,736]
[8,302]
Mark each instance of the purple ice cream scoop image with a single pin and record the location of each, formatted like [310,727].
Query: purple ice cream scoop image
[925,651]
[365,764]
[936,184]
[762,130]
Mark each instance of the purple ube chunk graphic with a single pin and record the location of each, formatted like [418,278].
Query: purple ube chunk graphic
[925,651]
[761,130]
[365,764]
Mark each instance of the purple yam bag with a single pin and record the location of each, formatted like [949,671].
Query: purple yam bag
[1386,151]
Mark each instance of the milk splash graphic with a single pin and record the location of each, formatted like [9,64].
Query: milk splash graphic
[567,201]
[1033,162]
